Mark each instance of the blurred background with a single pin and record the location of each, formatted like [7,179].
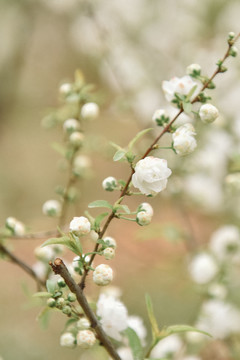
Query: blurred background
[125,48]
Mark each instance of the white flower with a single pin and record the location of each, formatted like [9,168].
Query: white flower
[151,175]
[158,114]
[109,184]
[40,269]
[76,138]
[203,268]
[218,318]
[17,227]
[102,275]
[65,89]
[71,125]
[166,347]
[109,253]
[83,323]
[146,207]
[125,353]
[45,253]
[136,323]
[143,218]
[112,291]
[67,339]
[193,68]
[90,111]
[183,139]
[81,163]
[86,339]
[113,316]
[178,85]
[110,241]
[94,235]
[80,225]
[225,242]
[52,208]
[208,113]
[191,357]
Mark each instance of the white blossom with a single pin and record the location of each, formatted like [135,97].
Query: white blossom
[208,113]
[178,85]
[110,183]
[158,114]
[151,175]
[45,253]
[217,291]
[76,138]
[52,208]
[71,125]
[184,141]
[94,235]
[17,227]
[85,339]
[90,111]
[136,323]
[83,323]
[109,253]
[110,241]
[113,316]
[81,163]
[125,353]
[80,225]
[65,88]
[167,347]
[146,207]
[40,269]
[112,291]
[102,275]
[203,268]
[225,242]
[67,339]
[219,318]
[143,218]
[193,68]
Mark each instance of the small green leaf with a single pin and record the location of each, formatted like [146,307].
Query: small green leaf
[64,240]
[124,208]
[42,294]
[137,137]
[99,219]
[43,317]
[51,286]
[69,323]
[187,107]
[135,344]
[153,321]
[77,243]
[100,203]
[119,155]
[191,92]
[175,329]
[116,146]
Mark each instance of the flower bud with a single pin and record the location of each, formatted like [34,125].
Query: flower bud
[83,323]
[109,253]
[52,208]
[90,111]
[51,302]
[109,184]
[65,89]
[67,310]
[194,69]
[71,125]
[60,302]
[45,253]
[110,241]
[146,207]
[72,297]
[208,113]
[143,218]
[16,226]
[102,275]
[76,138]
[94,235]
[233,51]
[61,283]
[160,117]
[85,339]
[183,139]
[231,35]
[80,225]
[67,339]
[80,164]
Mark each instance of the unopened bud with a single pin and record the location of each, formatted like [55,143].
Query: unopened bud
[85,339]
[102,275]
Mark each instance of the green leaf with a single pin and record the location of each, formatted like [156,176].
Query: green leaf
[51,286]
[99,219]
[191,92]
[187,107]
[64,240]
[137,137]
[116,146]
[59,148]
[100,203]
[153,321]
[135,344]
[176,329]
[69,323]
[43,317]
[42,294]
[77,243]
[124,208]
[119,155]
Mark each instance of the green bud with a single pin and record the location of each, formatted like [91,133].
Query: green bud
[67,310]
[233,51]
[61,283]
[72,297]
[60,303]
[51,302]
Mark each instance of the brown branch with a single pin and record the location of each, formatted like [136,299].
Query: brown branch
[21,264]
[59,268]
[31,236]
[151,147]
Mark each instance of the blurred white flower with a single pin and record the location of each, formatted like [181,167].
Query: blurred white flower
[208,113]
[191,357]
[81,163]
[45,253]
[90,111]
[76,138]
[52,208]
[151,175]
[41,269]
[169,346]
[71,125]
[158,114]
[85,339]
[179,85]
[184,141]
[136,323]
[112,291]
[65,88]
[225,242]
[217,291]
[17,227]
[80,225]
[67,339]
[125,353]
[218,318]
[203,268]
[113,314]
[109,253]
[193,68]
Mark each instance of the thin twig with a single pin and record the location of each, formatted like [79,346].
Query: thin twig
[59,268]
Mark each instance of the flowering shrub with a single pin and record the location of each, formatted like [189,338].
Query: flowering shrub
[62,286]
